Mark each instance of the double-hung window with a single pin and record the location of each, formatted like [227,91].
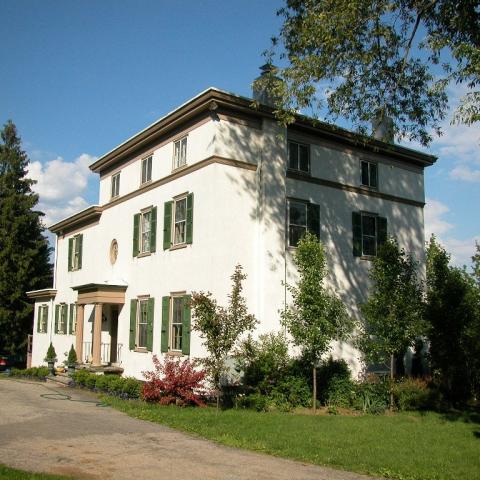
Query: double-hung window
[115,187]
[176,324]
[61,318]
[75,245]
[145,231]
[141,323]
[146,169]
[180,153]
[42,320]
[302,217]
[298,157]
[369,232]
[369,174]
[72,320]
[178,221]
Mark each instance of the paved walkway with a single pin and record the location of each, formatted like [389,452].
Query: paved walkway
[90,442]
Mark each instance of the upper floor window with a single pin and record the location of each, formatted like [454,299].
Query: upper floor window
[369,174]
[115,187]
[302,217]
[42,320]
[144,231]
[178,221]
[298,157]
[141,323]
[180,153]
[147,169]
[61,318]
[176,324]
[369,232]
[75,246]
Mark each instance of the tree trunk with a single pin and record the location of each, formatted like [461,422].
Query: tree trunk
[314,395]
[392,363]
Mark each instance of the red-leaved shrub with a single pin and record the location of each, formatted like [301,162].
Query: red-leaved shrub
[174,381]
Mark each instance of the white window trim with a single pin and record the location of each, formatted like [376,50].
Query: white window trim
[74,321]
[298,144]
[115,192]
[140,232]
[179,198]
[75,253]
[305,203]
[140,300]
[176,160]
[368,185]
[63,308]
[373,215]
[170,323]
[42,308]
[147,159]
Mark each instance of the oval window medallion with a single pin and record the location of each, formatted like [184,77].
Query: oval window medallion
[113,251]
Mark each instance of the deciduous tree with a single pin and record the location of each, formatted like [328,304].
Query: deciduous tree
[316,315]
[378,58]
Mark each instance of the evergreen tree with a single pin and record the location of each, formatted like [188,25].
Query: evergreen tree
[24,251]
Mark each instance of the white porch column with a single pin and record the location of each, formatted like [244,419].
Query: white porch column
[79,333]
[97,336]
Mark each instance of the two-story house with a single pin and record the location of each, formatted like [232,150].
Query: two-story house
[213,184]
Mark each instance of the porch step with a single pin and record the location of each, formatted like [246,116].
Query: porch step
[60,379]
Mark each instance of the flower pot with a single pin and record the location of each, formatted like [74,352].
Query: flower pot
[51,366]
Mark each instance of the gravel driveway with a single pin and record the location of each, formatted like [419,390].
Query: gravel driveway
[81,439]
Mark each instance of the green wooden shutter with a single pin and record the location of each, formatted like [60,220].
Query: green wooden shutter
[57,310]
[167,225]
[357,234]
[80,250]
[133,323]
[165,324]
[381,230]
[70,252]
[70,319]
[153,231]
[313,219]
[186,325]
[150,313]
[189,235]
[136,228]
[39,318]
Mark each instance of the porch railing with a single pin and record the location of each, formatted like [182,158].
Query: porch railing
[104,352]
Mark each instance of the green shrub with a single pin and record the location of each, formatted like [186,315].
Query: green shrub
[91,380]
[254,401]
[372,395]
[115,384]
[294,390]
[33,372]
[334,382]
[340,392]
[131,387]
[80,377]
[412,394]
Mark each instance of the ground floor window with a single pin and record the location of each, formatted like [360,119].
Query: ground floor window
[141,323]
[72,320]
[61,318]
[42,320]
[176,324]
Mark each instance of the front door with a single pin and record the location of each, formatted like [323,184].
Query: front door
[113,333]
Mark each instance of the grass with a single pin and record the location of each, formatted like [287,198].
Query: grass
[7,473]
[403,446]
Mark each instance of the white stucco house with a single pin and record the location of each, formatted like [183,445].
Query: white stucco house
[212,184]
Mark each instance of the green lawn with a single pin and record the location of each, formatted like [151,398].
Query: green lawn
[7,473]
[402,446]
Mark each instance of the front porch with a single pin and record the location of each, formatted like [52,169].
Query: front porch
[108,300]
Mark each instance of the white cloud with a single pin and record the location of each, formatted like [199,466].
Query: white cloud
[60,185]
[461,250]
[434,224]
[465,173]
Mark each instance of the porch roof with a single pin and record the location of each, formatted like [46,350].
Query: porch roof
[100,293]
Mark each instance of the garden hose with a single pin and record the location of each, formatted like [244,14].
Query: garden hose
[60,396]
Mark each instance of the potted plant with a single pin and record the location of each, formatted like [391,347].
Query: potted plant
[51,358]
[71,360]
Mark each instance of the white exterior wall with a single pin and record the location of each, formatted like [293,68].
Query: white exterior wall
[239,217]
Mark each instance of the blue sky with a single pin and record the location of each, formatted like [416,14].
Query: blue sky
[78,78]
